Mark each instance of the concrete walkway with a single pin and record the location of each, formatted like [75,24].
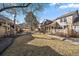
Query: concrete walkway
[70,39]
[74,41]
[56,37]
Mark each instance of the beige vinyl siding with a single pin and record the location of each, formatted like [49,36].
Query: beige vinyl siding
[2,31]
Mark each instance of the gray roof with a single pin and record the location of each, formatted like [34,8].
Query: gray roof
[68,14]
[3,18]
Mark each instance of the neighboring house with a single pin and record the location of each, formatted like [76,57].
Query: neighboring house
[6,26]
[65,25]
[24,27]
[76,26]
[67,22]
[45,26]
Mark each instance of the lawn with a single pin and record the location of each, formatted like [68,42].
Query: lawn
[43,36]
[62,47]
[41,45]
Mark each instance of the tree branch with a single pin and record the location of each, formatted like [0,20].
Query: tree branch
[14,7]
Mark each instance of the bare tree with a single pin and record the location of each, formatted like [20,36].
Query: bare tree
[31,21]
[13,5]
[12,8]
[16,8]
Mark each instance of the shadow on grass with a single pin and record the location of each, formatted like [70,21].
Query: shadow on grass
[40,51]
[20,48]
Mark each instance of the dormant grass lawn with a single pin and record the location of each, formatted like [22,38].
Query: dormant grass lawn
[41,44]
[62,47]
[43,36]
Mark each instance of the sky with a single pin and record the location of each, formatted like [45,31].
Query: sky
[51,11]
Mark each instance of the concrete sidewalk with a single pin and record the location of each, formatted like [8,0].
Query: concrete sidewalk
[74,41]
[70,39]
[56,37]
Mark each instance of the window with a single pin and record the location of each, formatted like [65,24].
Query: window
[61,20]
[65,20]
[8,28]
[52,27]
[0,24]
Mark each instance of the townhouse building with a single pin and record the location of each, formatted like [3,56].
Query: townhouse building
[7,26]
[65,25]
